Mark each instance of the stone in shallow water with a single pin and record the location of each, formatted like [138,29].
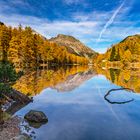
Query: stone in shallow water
[22,137]
[36,117]
[36,125]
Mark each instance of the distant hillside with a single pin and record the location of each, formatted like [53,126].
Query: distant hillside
[127,51]
[73,45]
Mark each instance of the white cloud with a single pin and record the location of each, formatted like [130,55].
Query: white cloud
[86,27]
[10,5]
[45,27]
[92,16]
[69,2]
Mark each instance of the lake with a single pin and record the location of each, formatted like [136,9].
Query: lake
[77,105]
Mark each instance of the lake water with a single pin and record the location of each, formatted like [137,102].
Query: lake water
[74,101]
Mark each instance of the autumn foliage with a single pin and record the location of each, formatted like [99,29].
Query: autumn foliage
[126,52]
[26,48]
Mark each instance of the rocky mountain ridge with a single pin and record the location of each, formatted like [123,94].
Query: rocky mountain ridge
[73,45]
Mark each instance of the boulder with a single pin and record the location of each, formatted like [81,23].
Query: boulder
[36,117]
[36,125]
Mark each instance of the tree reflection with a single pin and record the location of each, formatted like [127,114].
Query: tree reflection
[33,82]
[127,78]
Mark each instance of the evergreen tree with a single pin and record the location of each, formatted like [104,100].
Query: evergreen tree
[113,52]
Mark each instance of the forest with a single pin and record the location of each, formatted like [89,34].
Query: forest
[126,52]
[25,48]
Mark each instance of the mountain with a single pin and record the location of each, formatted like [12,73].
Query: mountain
[127,51]
[73,45]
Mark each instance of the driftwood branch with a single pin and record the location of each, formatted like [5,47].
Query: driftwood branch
[115,102]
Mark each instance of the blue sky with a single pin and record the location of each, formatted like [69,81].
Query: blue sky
[97,23]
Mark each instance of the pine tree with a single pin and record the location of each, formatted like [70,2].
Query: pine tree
[113,52]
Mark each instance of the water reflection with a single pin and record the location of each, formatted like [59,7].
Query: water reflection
[69,78]
[127,78]
[87,108]
[61,79]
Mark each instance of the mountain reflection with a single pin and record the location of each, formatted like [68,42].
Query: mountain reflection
[61,79]
[74,81]
[68,78]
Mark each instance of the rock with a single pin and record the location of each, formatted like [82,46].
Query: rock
[36,116]
[36,125]
[22,137]
[10,128]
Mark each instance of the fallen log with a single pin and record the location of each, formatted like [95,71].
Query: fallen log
[17,96]
[16,106]
[20,100]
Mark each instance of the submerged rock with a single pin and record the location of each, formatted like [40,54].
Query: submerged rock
[36,117]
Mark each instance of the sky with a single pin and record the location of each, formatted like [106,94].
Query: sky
[97,23]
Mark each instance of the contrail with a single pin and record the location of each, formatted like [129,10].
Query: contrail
[111,20]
